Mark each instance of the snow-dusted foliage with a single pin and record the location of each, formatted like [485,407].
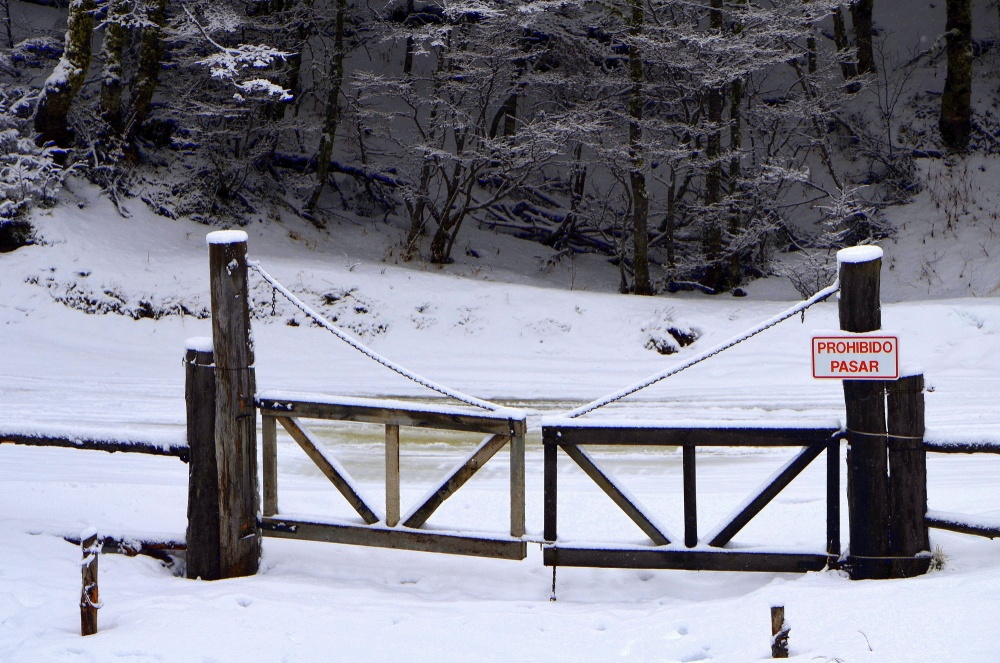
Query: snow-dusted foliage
[28,174]
[686,141]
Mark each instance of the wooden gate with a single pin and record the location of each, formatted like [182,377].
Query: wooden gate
[390,530]
[572,436]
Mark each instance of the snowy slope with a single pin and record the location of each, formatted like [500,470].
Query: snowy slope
[545,341]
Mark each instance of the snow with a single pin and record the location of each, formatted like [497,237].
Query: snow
[542,343]
[226,237]
[858,254]
[200,344]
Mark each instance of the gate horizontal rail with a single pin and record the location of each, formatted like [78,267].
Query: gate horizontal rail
[391,530]
[958,522]
[572,435]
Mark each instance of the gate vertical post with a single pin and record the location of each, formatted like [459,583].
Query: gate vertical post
[907,476]
[867,468]
[203,470]
[235,412]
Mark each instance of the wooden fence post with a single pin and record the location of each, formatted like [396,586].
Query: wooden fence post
[867,468]
[907,477]
[203,470]
[235,410]
[89,596]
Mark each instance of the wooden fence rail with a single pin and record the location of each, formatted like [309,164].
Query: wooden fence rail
[110,444]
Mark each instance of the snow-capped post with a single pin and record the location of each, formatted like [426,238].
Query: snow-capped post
[89,599]
[203,470]
[235,410]
[867,468]
[907,476]
[779,632]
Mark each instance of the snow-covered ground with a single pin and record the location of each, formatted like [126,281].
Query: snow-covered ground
[497,326]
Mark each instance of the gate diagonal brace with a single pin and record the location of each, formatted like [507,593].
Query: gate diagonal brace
[459,476]
[331,468]
[619,496]
[764,494]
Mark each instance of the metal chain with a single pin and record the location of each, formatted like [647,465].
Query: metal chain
[486,405]
[365,350]
[628,391]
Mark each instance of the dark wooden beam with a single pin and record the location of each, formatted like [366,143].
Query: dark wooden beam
[957,525]
[689,560]
[867,465]
[550,470]
[765,494]
[962,447]
[908,534]
[833,498]
[676,437]
[690,496]
[176,450]
[203,528]
[397,538]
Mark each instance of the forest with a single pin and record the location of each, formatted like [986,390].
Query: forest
[688,141]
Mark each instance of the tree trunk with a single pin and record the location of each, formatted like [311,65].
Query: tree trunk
[848,65]
[637,174]
[956,110]
[150,60]
[113,55]
[332,119]
[7,22]
[410,44]
[861,15]
[52,116]
[714,276]
[735,172]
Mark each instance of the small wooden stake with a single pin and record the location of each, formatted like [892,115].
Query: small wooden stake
[779,632]
[88,592]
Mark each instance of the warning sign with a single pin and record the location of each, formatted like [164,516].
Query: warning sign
[855,357]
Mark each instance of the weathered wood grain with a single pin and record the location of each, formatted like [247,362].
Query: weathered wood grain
[397,538]
[204,547]
[89,595]
[391,475]
[379,414]
[908,533]
[867,465]
[517,516]
[269,458]
[235,414]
